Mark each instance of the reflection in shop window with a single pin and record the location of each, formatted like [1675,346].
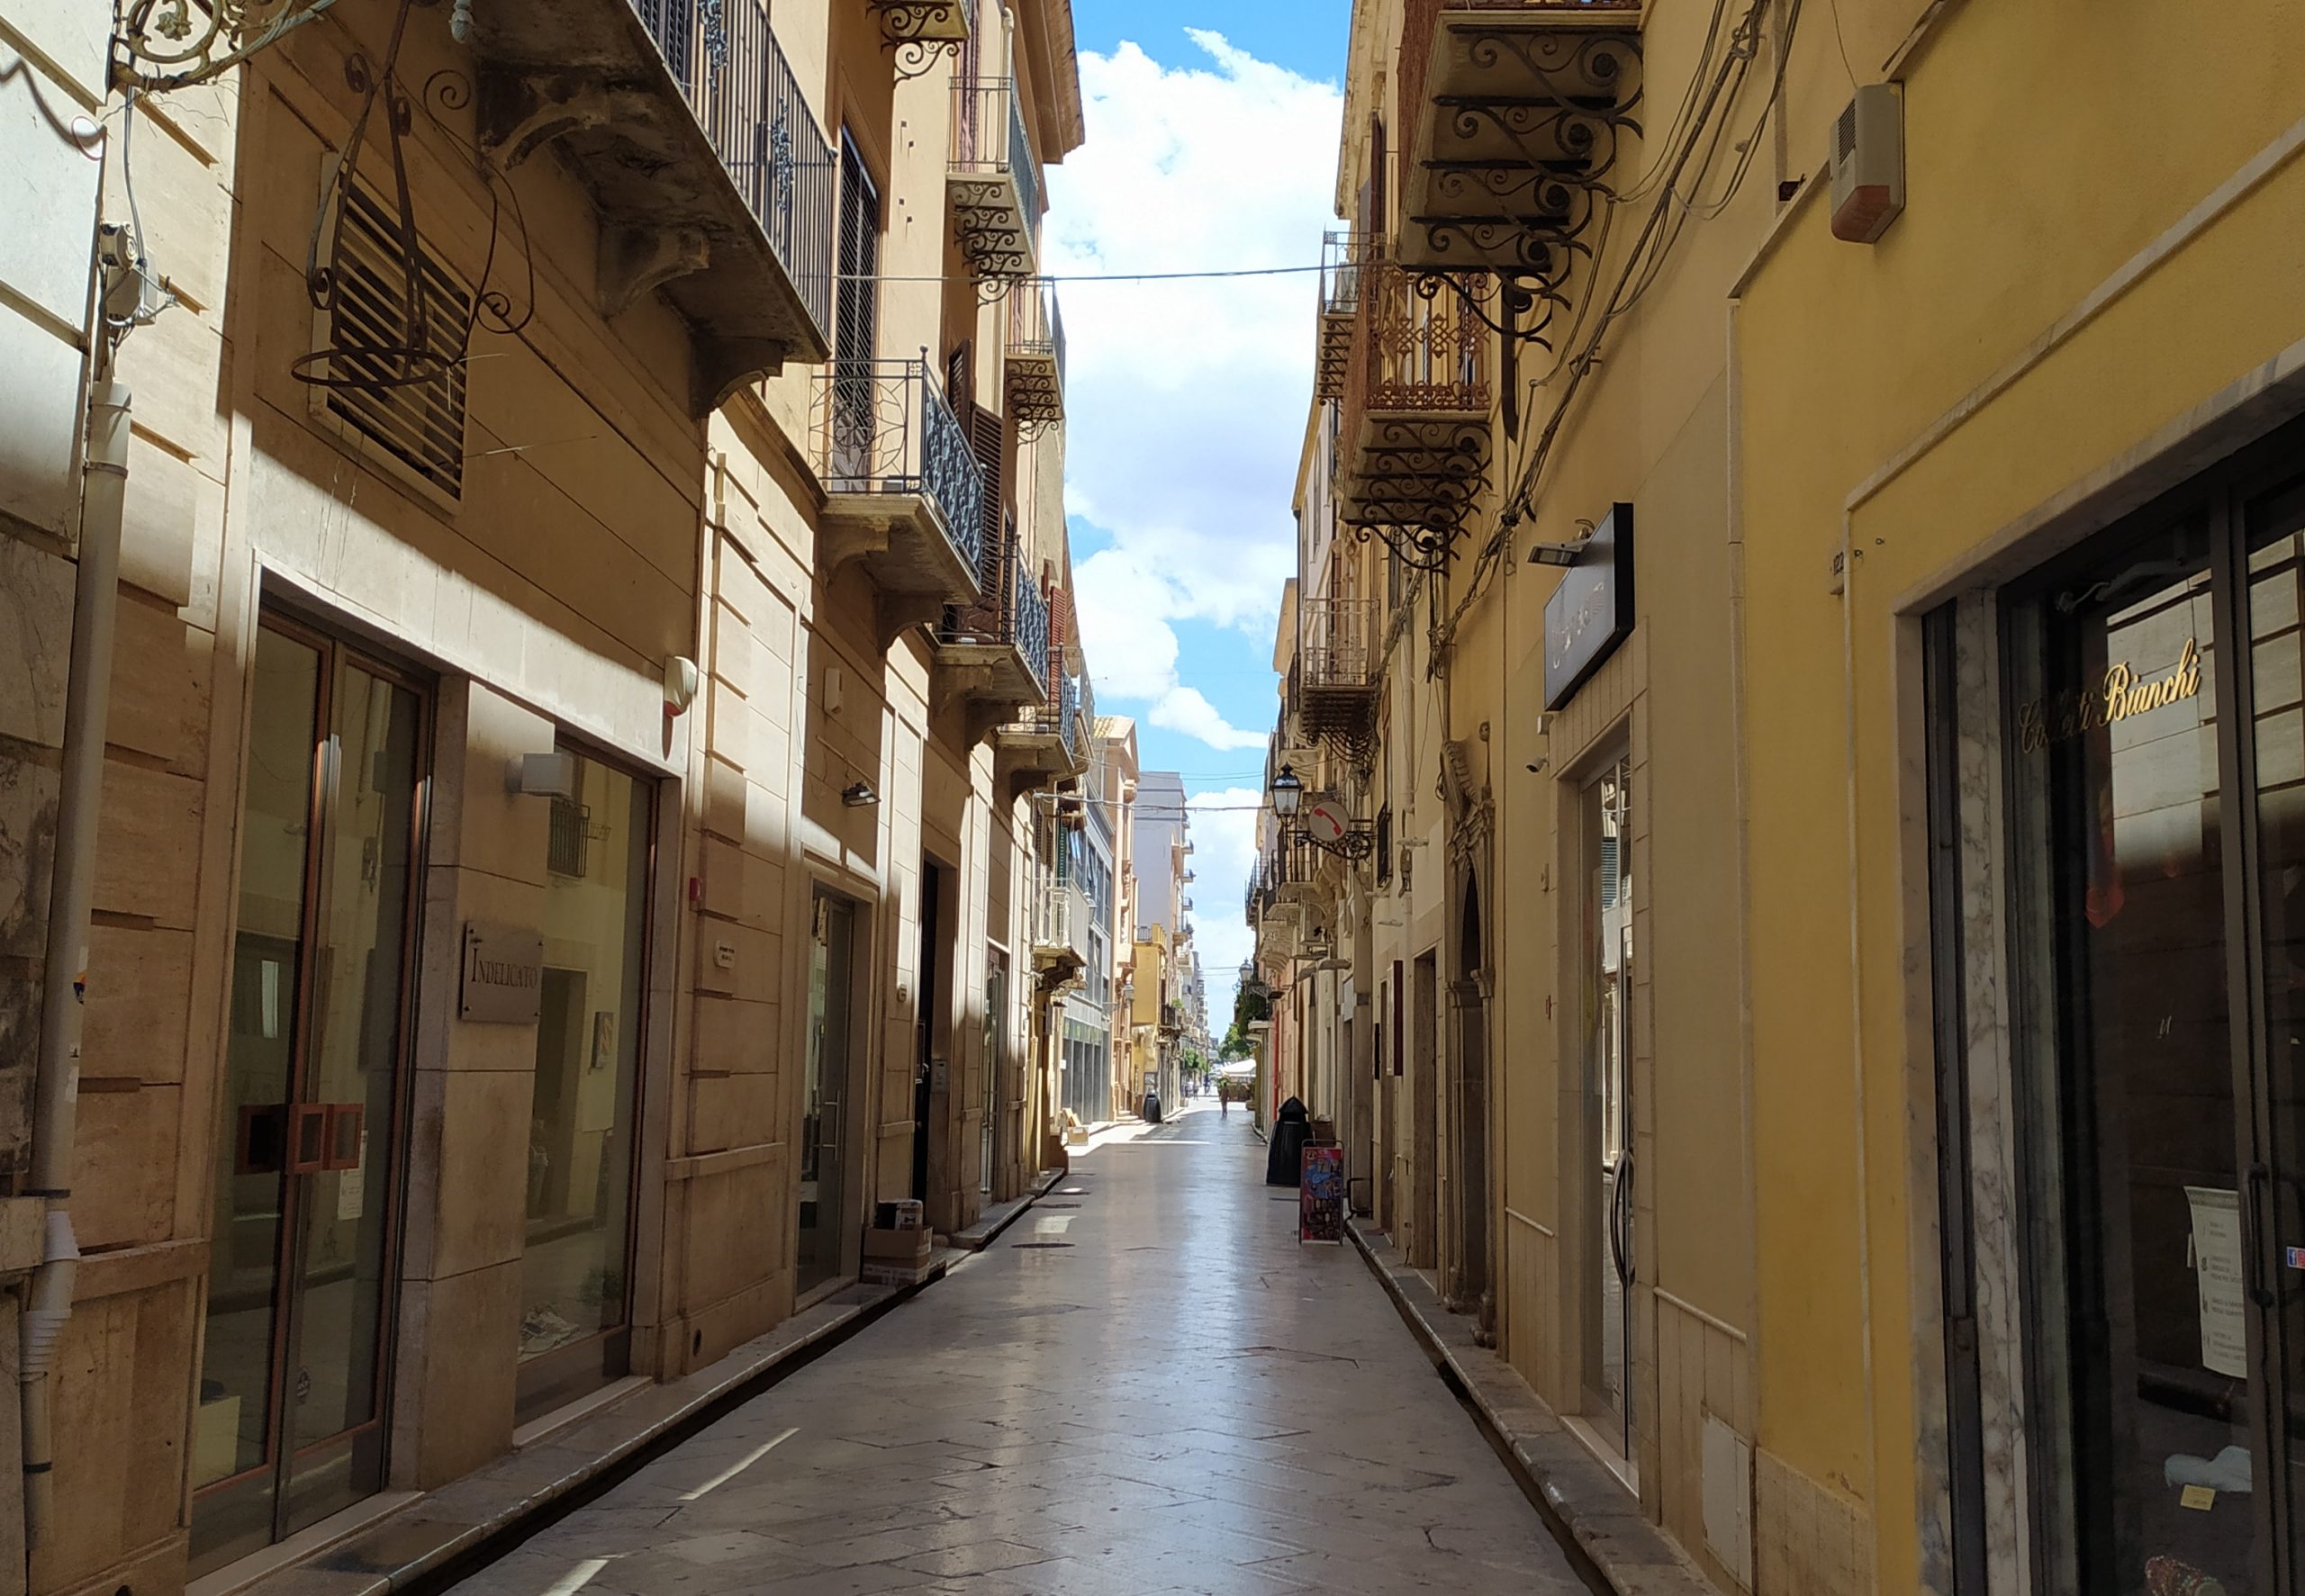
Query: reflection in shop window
[581,1134]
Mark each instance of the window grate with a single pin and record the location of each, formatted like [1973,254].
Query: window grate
[565,852]
[420,423]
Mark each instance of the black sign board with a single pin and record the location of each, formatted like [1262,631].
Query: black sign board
[1591,611]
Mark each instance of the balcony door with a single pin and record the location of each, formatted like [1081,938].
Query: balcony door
[856,326]
[289,1421]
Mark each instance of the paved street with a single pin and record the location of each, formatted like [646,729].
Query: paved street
[1144,1386]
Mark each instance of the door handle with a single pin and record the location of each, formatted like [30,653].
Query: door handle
[1620,1225]
[2254,1244]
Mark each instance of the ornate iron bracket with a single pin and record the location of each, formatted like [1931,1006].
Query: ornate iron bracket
[177,43]
[1356,845]
[917,32]
[1420,548]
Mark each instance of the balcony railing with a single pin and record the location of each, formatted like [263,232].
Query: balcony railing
[1337,644]
[1415,420]
[736,80]
[1035,363]
[995,183]
[882,427]
[1343,257]
[1062,918]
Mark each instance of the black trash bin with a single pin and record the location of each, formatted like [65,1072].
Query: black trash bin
[1284,1159]
[1152,1108]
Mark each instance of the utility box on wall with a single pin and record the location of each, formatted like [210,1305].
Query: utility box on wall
[1868,164]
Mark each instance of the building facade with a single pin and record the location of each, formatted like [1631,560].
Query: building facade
[1801,731]
[591,661]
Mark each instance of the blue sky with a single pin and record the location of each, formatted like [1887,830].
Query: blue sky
[1306,36]
[1212,139]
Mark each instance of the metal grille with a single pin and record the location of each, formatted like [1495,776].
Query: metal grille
[565,850]
[883,427]
[420,423]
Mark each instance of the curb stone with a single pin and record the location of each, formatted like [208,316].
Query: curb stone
[1584,1503]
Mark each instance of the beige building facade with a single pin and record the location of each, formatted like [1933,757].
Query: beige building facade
[583,693]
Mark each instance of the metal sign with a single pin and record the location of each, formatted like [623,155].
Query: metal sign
[1591,611]
[503,975]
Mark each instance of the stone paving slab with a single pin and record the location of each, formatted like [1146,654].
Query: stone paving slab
[1587,1505]
[1145,1386]
[463,1521]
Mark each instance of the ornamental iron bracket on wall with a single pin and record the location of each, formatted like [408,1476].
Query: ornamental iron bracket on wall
[1524,117]
[917,32]
[168,44]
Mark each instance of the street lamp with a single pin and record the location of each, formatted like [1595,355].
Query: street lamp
[1288,793]
[1327,827]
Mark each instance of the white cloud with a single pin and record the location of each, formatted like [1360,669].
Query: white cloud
[1225,845]
[1187,399]
[1184,709]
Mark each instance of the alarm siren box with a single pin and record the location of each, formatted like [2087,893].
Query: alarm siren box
[1868,164]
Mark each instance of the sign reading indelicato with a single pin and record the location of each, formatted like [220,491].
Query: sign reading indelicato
[503,976]
[2118,697]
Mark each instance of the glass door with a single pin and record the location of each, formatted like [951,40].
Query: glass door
[2271,521]
[289,1425]
[2156,739]
[996,1066]
[824,1092]
[575,1279]
[1608,956]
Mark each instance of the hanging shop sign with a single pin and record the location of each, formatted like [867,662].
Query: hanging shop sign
[503,976]
[2119,695]
[1590,613]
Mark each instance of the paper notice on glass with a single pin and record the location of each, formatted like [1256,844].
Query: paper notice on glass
[2217,1272]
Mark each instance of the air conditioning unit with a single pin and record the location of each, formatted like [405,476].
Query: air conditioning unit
[1868,164]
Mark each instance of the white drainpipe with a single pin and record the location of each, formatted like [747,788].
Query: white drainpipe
[55,1092]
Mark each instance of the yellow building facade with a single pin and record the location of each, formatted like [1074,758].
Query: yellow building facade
[1799,953]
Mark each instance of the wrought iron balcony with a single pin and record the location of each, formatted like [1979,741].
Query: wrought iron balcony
[1051,740]
[1416,423]
[992,655]
[1035,362]
[1519,112]
[711,177]
[994,182]
[1337,664]
[1343,256]
[904,494]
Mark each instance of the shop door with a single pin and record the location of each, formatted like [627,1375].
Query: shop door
[2161,769]
[1607,922]
[289,1425]
[575,1272]
[824,1092]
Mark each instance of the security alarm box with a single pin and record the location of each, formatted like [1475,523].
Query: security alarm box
[1868,164]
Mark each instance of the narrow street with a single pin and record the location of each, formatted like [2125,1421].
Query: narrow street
[1145,1386]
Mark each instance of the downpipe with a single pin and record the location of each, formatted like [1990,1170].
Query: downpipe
[56,1091]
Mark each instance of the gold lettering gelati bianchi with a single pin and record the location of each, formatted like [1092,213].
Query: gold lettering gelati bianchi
[2120,695]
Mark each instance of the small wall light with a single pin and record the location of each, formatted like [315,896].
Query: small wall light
[680,679]
[1556,553]
[859,795]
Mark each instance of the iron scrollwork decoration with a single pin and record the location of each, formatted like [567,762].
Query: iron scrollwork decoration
[175,43]
[917,32]
[403,350]
[1523,216]
[1354,845]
